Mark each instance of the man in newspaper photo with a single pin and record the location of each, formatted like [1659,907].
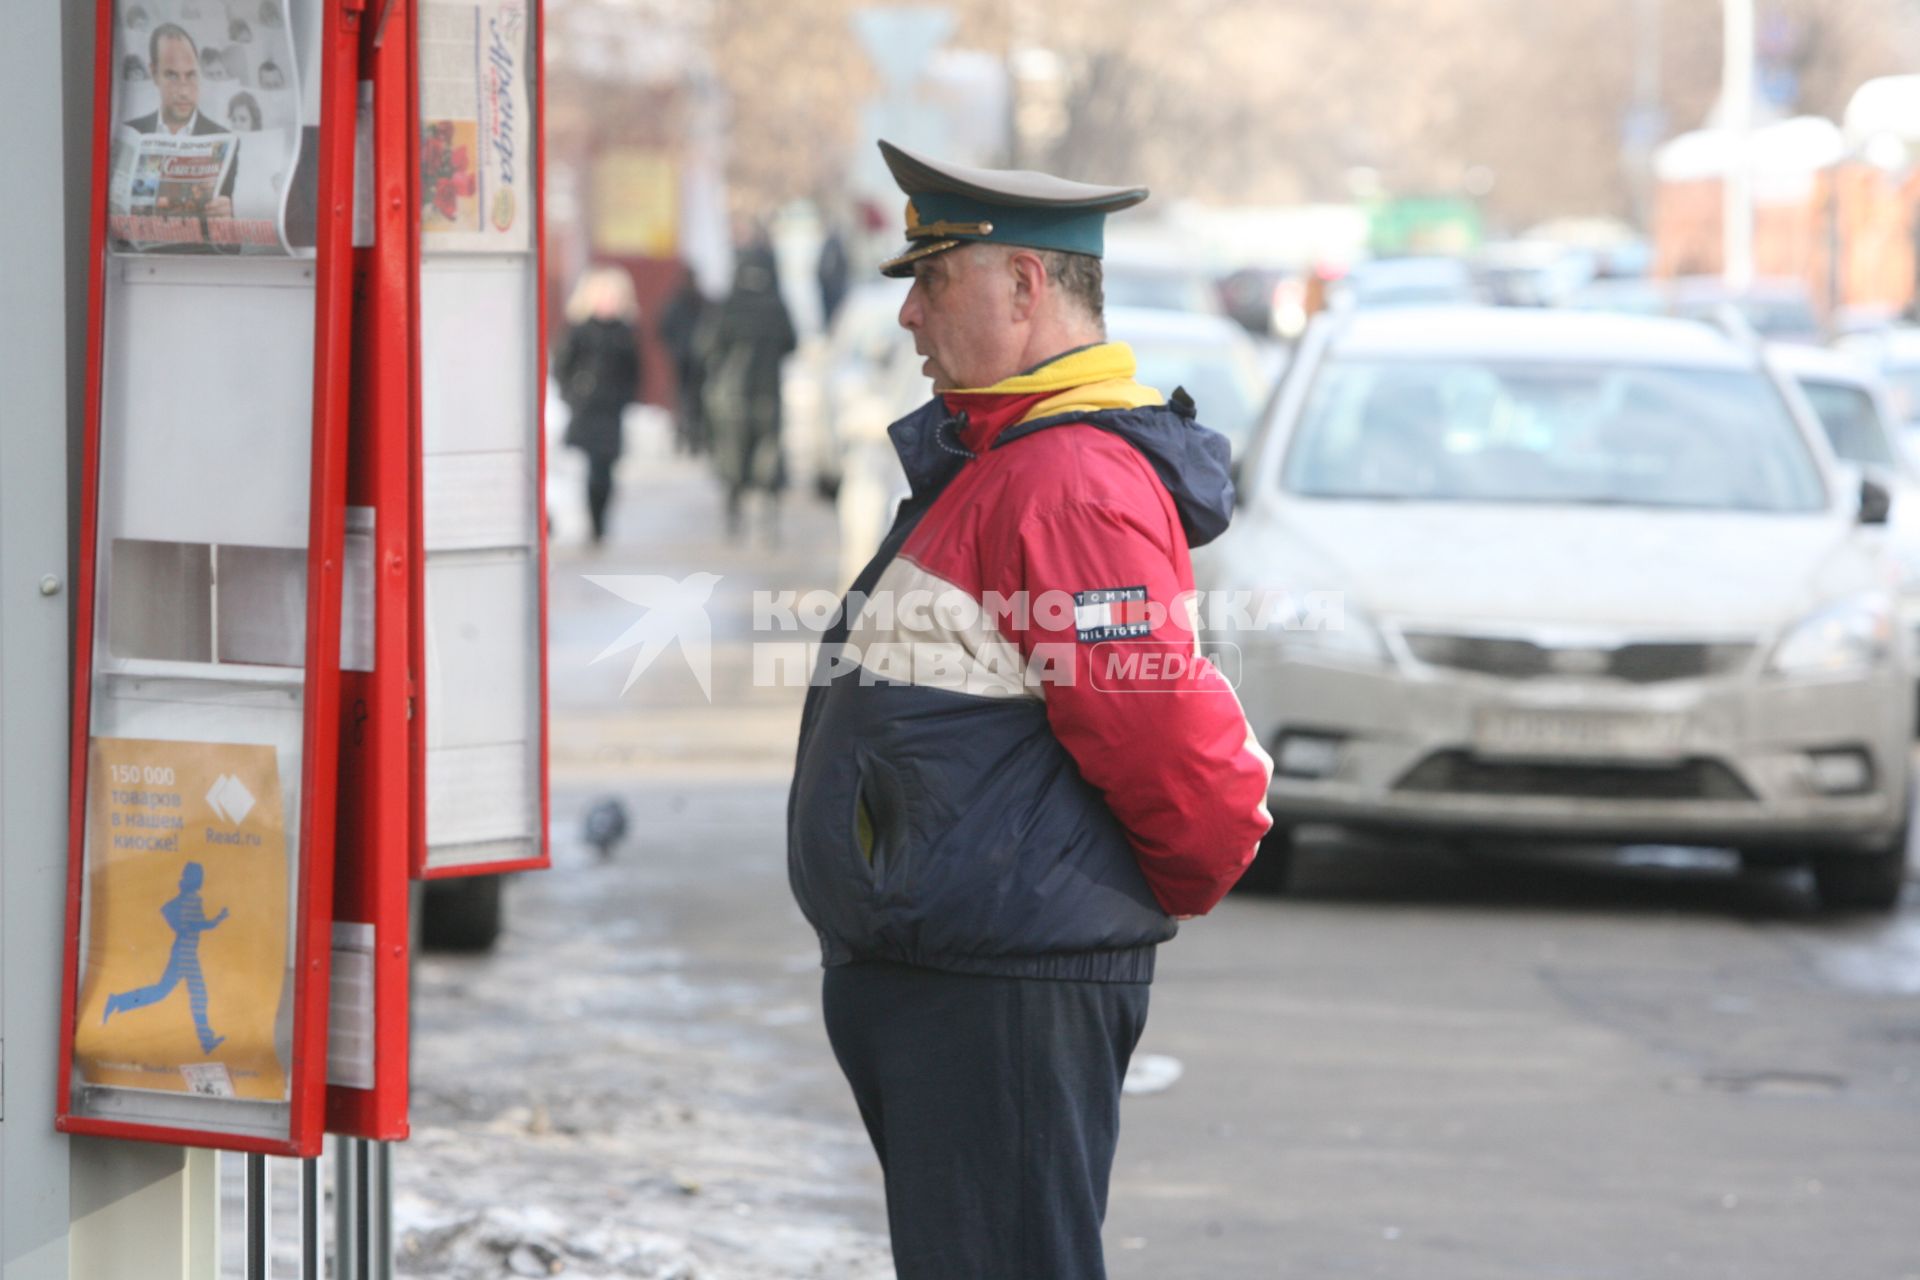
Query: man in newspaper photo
[175,62]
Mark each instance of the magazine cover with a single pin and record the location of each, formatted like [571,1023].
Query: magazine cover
[476,150]
[206,100]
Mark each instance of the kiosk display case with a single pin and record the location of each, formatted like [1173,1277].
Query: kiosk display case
[212,556]
[481,660]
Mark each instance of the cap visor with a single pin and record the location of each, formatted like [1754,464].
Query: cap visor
[901,267]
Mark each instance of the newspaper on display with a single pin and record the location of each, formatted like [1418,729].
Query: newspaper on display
[207,153]
[476,148]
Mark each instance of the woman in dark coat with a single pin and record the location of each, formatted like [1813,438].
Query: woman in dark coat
[599,374]
[679,324]
[742,343]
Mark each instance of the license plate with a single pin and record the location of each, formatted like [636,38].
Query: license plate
[1584,734]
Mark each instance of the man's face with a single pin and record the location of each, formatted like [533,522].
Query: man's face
[177,73]
[960,312]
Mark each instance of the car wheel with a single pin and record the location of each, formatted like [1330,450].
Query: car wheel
[1272,865]
[1862,882]
[461,914]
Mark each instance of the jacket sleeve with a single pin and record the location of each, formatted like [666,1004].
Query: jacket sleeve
[1111,641]
[565,361]
[632,372]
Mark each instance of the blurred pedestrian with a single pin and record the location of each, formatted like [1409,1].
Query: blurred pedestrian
[988,830]
[599,374]
[679,324]
[830,273]
[741,345]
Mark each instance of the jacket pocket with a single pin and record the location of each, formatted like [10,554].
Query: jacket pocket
[881,824]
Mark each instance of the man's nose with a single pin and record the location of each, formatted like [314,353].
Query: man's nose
[911,310]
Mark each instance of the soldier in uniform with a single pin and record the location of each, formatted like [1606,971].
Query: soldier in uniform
[1004,802]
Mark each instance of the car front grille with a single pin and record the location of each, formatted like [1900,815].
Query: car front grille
[1511,658]
[1458,773]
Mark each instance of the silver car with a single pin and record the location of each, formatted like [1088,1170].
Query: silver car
[1854,405]
[1559,575]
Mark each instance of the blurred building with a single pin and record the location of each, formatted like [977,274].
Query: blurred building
[636,156]
[1836,206]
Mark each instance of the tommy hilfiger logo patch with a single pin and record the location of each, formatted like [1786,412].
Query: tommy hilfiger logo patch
[1111,613]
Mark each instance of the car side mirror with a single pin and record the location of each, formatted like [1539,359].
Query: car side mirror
[1876,502]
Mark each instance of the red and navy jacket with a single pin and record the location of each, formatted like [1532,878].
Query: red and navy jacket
[1012,759]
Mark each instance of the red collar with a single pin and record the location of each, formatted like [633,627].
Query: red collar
[989,413]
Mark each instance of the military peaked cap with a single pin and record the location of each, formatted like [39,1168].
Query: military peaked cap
[952,204]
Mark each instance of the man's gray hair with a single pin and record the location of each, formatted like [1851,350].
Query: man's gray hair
[1078,276]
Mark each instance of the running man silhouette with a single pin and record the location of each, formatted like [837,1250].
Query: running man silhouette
[187,918]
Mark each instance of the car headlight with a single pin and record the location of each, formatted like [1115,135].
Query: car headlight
[1847,638]
[1340,634]
[1906,563]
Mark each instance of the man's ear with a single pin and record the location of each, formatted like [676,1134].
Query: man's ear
[1030,282]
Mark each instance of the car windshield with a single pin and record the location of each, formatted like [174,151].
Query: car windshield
[1851,422]
[1904,381]
[1223,379]
[1473,430]
[1157,291]
[1770,317]
[1392,283]
[1430,295]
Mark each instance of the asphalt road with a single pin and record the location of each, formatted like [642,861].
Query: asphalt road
[1645,1065]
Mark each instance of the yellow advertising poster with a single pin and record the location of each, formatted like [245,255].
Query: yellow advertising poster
[635,203]
[186,945]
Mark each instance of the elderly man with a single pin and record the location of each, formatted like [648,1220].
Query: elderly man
[1014,773]
[175,62]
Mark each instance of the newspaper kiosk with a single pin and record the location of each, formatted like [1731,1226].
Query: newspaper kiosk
[210,606]
[480,726]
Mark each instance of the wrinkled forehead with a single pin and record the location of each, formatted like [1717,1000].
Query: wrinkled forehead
[961,260]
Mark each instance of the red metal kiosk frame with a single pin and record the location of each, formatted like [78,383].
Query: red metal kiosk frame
[385,709]
[367,1093]
[339,25]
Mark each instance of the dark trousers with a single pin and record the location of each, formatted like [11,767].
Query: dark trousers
[599,491]
[994,1106]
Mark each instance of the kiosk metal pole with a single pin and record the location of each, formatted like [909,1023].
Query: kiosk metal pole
[363,1210]
[380,1212]
[257,1215]
[310,1261]
[347,1210]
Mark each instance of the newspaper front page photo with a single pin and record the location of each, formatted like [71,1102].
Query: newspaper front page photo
[207,153]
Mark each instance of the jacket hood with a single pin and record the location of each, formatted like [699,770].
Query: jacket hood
[1095,386]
